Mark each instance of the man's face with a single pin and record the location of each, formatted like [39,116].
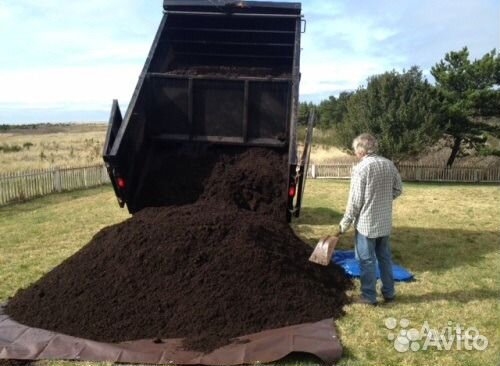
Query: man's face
[359,154]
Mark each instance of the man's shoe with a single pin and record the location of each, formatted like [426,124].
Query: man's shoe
[388,300]
[365,301]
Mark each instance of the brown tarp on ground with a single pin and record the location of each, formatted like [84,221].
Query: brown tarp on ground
[20,342]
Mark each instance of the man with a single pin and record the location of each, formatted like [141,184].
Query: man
[375,182]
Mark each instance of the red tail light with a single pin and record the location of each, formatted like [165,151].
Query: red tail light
[291,191]
[121,183]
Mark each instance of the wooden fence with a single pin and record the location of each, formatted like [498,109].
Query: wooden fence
[22,186]
[18,187]
[415,172]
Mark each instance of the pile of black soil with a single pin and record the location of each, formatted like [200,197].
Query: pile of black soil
[224,266]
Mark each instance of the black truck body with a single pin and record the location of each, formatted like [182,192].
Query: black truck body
[219,73]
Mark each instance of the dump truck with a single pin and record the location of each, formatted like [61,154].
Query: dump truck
[221,74]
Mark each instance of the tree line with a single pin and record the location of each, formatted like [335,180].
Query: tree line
[408,114]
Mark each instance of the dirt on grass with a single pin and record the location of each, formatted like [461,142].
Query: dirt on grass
[222,267]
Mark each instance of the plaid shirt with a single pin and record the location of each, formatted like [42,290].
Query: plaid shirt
[375,182]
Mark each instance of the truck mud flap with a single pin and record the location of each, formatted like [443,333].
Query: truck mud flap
[115,121]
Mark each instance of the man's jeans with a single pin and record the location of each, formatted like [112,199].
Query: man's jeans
[368,251]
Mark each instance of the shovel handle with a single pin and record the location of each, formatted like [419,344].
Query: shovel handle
[324,239]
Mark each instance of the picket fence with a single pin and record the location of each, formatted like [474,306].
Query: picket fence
[23,186]
[414,172]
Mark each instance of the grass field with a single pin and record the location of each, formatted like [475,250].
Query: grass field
[447,235]
[49,146]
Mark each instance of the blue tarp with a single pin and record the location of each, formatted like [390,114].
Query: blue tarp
[348,261]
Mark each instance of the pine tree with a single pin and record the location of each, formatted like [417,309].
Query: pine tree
[400,109]
[468,91]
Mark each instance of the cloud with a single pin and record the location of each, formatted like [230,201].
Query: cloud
[92,87]
[341,49]
[327,76]
[358,39]
[5,13]
[60,33]
[79,55]
[358,34]
[91,47]
[71,56]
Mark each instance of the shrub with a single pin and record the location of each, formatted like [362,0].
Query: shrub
[6,148]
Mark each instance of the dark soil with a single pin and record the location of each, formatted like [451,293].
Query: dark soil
[16,363]
[255,180]
[228,71]
[224,266]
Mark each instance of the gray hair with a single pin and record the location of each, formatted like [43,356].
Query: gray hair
[365,143]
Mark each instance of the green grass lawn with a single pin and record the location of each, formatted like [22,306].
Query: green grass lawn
[447,235]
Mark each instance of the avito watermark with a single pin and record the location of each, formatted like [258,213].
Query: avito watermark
[453,336]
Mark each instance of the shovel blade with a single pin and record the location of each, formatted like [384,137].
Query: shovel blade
[324,250]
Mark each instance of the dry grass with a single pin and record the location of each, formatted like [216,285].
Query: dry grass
[56,146]
[447,235]
[323,151]
[328,154]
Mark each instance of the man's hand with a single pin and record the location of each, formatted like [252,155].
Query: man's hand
[344,226]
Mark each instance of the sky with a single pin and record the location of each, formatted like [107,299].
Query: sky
[65,61]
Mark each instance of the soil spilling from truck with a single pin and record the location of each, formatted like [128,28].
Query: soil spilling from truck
[222,267]
[221,176]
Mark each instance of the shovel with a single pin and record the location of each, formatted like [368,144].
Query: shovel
[324,250]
